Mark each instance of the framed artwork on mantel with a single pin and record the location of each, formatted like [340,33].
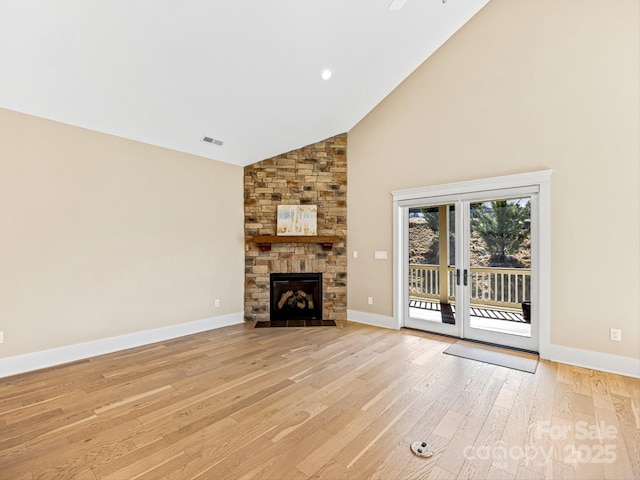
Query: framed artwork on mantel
[297,220]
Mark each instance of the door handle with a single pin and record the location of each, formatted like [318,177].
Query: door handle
[457,276]
[465,277]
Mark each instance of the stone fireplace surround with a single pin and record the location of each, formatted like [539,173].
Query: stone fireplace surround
[313,175]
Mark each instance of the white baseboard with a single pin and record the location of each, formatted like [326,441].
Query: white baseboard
[57,356]
[605,362]
[34,361]
[371,319]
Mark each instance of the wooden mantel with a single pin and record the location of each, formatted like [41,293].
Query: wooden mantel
[264,241]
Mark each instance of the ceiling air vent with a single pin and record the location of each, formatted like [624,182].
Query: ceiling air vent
[212,141]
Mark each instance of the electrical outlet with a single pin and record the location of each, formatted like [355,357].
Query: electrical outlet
[355,254]
[1,337]
[216,302]
[616,334]
[370,300]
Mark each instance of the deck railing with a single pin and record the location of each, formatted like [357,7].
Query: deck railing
[500,287]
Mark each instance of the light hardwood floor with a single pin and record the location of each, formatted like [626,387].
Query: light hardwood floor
[324,402]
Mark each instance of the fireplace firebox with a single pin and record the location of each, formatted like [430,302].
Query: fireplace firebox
[296,296]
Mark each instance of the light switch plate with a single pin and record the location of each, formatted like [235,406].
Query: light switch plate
[380,255]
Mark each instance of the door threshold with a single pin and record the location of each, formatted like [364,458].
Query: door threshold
[508,347]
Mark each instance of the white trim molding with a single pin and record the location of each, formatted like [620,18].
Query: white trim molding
[484,184]
[371,319]
[58,356]
[605,362]
[539,181]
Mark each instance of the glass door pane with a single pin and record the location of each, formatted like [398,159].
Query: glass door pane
[499,272]
[470,265]
[431,269]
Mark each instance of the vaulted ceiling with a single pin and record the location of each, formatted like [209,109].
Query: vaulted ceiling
[245,72]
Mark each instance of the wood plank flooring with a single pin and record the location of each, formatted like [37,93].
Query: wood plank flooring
[317,402]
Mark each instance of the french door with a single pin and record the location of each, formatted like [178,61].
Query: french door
[471,265]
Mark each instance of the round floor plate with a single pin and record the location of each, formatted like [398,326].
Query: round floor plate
[421,449]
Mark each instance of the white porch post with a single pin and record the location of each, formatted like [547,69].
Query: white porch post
[443,239]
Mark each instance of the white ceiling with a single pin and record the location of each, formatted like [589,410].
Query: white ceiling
[247,72]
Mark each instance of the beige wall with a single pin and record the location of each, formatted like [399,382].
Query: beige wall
[525,85]
[101,236]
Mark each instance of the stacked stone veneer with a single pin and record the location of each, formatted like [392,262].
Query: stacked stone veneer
[313,175]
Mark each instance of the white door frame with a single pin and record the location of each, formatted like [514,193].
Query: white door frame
[540,179]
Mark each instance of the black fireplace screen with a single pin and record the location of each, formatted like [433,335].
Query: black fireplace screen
[296,296]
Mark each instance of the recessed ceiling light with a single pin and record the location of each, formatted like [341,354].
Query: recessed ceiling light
[326,74]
